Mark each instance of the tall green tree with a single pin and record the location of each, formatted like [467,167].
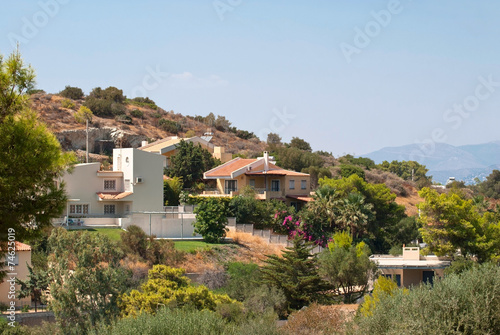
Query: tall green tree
[30,157]
[347,267]
[296,274]
[85,279]
[381,226]
[452,224]
[190,162]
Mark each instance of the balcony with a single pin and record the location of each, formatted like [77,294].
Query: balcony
[263,194]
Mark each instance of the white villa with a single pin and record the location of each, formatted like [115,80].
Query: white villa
[134,185]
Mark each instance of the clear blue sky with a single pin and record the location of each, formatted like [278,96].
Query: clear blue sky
[251,60]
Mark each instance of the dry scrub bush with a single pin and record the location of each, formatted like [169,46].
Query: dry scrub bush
[393,182]
[318,320]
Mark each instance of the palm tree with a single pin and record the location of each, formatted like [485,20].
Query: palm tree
[354,214]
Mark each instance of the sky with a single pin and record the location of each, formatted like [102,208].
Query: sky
[346,76]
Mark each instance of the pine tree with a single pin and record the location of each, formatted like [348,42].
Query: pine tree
[295,273]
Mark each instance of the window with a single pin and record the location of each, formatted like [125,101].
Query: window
[110,185]
[303,184]
[291,184]
[231,186]
[252,183]
[275,185]
[294,205]
[79,209]
[109,209]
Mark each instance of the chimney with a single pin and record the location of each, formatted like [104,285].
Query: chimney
[144,143]
[266,161]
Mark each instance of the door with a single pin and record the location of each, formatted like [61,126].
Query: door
[428,277]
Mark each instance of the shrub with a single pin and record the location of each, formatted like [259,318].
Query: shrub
[137,113]
[467,303]
[347,170]
[143,102]
[123,118]
[74,93]
[170,126]
[316,319]
[211,219]
[66,103]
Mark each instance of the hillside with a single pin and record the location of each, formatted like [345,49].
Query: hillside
[71,134]
[462,162]
[105,133]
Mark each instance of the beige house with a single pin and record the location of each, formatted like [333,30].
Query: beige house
[135,184]
[268,180]
[19,270]
[411,268]
[168,147]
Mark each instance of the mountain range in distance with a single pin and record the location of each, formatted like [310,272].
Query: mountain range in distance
[465,162]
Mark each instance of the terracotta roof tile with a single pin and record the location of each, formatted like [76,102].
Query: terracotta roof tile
[22,247]
[225,170]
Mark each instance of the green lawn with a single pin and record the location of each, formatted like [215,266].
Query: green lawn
[190,246]
[112,233]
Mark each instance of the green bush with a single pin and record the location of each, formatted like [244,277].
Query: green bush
[170,126]
[66,103]
[137,113]
[348,170]
[143,102]
[211,219]
[466,303]
[74,93]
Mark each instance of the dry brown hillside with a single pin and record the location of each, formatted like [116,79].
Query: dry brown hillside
[60,119]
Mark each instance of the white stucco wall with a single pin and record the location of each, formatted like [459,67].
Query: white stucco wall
[81,186]
[148,195]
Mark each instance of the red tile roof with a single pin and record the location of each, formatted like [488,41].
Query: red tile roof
[22,247]
[304,198]
[226,169]
[113,195]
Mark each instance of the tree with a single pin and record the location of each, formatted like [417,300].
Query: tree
[34,286]
[168,287]
[451,223]
[354,214]
[380,228]
[296,274]
[300,144]
[30,158]
[190,162]
[222,124]
[273,141]
[172,189]
[491,186]
[348,170]
[211,219]
[347,267]
[408,170]
[85,279]
[16,80]
[74,93]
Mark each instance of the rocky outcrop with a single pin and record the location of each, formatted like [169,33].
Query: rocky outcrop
[101,140]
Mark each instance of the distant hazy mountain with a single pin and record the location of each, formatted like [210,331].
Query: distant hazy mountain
[443,160]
